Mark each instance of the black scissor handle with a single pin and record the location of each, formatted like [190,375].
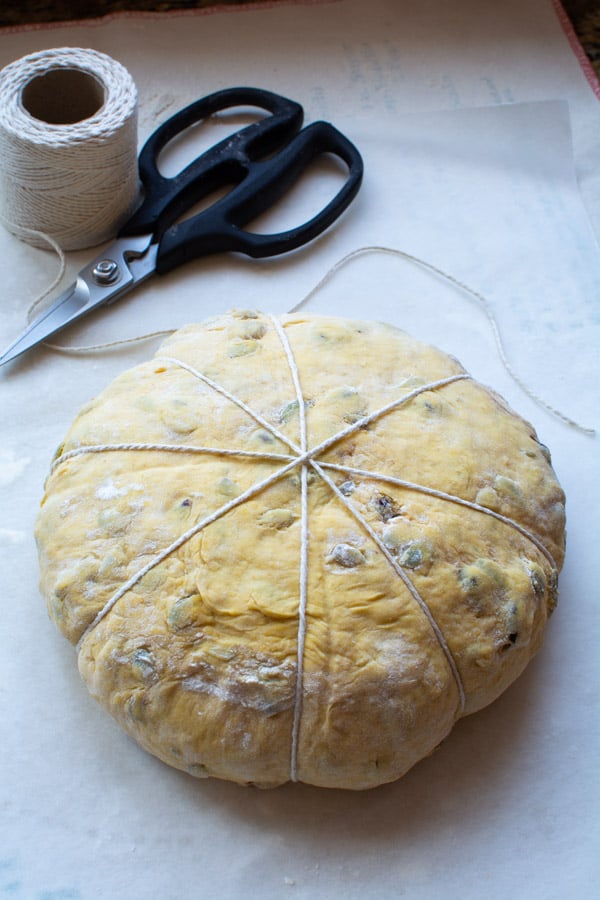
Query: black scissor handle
[165,199]
[263,182]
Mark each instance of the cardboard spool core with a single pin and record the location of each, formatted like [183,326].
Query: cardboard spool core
[63,96]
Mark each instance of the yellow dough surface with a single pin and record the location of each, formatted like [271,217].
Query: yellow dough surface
[299,548]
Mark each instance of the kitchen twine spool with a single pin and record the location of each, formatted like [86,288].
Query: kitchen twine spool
[68,147]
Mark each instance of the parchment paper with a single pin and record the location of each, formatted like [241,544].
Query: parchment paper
[480,136]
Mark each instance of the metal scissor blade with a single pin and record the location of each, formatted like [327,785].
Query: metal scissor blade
[126,262]
[68,307]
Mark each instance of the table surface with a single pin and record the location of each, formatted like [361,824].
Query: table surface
[584,15]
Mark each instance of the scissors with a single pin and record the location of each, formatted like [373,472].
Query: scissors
[259,163]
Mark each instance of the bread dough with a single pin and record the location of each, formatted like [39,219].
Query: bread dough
[299,548]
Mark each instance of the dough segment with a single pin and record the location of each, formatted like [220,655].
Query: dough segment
[444,513]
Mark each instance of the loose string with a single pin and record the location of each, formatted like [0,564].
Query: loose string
[331,272]
[40,237]
[111,345]
[476,295]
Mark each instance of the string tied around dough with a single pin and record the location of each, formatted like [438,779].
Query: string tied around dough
[302,457]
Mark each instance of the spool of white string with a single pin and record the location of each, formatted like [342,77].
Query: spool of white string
[68,147]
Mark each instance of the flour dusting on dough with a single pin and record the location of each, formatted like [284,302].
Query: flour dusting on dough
[109,491]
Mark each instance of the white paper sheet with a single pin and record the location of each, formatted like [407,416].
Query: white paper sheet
[488,192]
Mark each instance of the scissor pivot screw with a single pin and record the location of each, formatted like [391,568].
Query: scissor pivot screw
[105,272]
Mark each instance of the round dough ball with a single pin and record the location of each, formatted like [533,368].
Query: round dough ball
[299,548]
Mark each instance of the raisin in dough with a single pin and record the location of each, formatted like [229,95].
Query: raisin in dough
[299,549]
